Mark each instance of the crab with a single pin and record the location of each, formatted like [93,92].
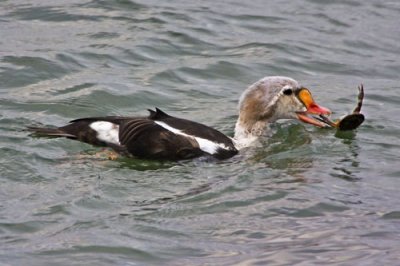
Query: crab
[350,121]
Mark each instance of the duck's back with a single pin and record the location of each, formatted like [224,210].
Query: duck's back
[158,136]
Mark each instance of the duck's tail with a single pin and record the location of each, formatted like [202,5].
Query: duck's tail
[49,132]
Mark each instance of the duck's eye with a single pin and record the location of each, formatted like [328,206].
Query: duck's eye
[287,91]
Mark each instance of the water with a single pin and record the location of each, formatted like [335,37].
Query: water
[304,196]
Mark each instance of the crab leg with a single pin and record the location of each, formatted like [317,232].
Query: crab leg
[360,99]
[326,120]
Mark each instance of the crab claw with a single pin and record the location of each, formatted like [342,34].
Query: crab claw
[350,121]
[360,99]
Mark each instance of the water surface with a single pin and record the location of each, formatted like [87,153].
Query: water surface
[303,196]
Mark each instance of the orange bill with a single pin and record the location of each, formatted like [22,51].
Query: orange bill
[305,97]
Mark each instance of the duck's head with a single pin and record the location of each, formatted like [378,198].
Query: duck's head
[273,98]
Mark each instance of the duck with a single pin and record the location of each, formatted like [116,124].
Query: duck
[160,136]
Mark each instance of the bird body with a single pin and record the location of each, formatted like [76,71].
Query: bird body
[161,136]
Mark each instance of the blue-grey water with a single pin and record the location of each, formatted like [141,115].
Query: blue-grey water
[303,196]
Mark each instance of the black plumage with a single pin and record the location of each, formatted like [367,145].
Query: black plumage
[142,137]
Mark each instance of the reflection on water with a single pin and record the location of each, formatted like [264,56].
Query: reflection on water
[287,148]
[300,196]
[347,167]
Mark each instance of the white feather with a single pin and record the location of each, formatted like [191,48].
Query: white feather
[106,131]
[204,144]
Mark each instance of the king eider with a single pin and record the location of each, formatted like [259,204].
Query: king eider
[161,136]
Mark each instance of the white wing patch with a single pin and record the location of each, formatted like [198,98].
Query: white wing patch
[204,144]
[106,131]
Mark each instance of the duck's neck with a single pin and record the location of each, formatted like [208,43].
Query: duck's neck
[247,132]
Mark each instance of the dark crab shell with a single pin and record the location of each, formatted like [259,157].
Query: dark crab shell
[350,122]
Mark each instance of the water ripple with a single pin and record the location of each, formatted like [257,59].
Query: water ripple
[301,196]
